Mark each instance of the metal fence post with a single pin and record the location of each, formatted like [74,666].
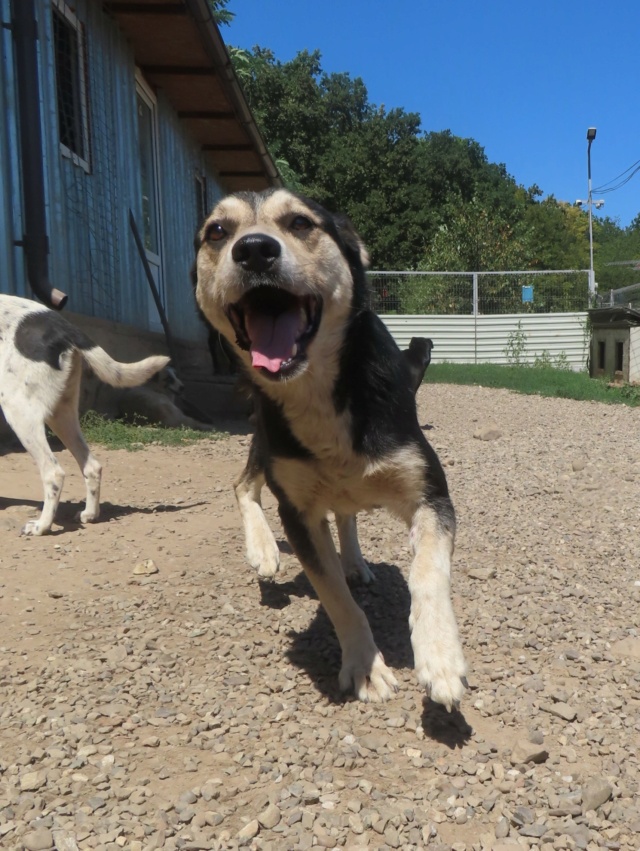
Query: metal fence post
[475,317]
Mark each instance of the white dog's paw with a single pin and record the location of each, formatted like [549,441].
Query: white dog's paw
[357,570]
[440,667]
[263,554]
[87,516]
[368,675]
[34,528]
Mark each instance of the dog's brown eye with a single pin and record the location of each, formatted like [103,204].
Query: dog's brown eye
[301,223]
[215,232]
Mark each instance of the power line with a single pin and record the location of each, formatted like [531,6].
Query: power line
[607,187]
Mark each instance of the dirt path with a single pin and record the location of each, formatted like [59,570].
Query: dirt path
[192,708]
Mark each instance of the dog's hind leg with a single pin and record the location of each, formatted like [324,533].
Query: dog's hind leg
[363,667]
[67,427]
[27,421]
[262,550]
[353,563]
[439,661]
[65,423]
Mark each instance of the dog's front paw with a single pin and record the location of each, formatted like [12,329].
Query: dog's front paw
[440,666]
[263,553]
[368,675]
[34,528]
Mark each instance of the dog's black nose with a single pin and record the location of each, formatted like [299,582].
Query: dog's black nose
[256,252]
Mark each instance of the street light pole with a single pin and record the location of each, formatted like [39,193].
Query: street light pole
[591,135]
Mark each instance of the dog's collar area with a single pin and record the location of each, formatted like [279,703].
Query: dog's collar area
[276,327]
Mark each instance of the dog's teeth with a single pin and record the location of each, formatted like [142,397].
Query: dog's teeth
[294,350]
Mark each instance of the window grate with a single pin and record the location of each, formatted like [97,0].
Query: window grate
[69,51]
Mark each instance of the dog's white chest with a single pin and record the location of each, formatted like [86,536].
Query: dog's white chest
[351,485]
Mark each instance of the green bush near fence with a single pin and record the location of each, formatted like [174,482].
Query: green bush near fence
[534,380]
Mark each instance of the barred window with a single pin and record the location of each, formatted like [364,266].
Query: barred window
[71,89]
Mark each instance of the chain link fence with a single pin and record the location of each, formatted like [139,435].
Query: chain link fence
[479,293]
[622,297]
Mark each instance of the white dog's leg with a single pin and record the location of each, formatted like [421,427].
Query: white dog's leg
[437,651]
[262,550]
[66,425]
[27,420]
[353,562]
[363,667]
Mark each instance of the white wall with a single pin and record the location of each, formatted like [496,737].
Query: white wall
[634,354]
[483,339]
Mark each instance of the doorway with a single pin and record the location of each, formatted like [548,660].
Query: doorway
[151,224]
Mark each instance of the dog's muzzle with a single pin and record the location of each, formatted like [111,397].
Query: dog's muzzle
[272,323]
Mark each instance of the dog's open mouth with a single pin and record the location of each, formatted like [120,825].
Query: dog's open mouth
[276,327]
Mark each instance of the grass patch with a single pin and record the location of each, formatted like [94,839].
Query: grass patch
[116,434]
[538,381]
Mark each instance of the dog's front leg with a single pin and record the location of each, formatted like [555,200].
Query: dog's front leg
[363,667]
[437,651]
[261,547]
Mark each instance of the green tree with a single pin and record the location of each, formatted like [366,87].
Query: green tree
[615,245]
[419,200]
[221,15]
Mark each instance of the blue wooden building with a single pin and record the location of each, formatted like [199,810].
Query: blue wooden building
[114,117]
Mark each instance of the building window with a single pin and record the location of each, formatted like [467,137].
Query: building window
[619,357]
[71,84]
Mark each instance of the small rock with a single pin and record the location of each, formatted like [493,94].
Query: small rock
[248,832]
[145,568]
[502,828]
[595,793]
[533,830]
[32,780]
[560,710]
[270,817]
[40,839]
[482,572]
[523,815]
[64,841]
[525,752]
[488,433]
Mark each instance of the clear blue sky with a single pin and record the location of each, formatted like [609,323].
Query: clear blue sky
[523,79]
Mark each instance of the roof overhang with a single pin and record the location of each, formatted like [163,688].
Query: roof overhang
[178,48]
[614,317]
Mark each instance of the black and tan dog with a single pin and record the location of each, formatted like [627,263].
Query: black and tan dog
[336,424]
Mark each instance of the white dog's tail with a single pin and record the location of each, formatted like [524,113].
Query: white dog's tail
[119,374]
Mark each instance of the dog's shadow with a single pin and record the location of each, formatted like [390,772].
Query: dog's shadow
[386,603]
[67,513]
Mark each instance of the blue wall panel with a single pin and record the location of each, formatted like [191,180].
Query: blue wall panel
[93,254]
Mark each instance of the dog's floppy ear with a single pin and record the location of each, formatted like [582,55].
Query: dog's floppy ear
[351,239]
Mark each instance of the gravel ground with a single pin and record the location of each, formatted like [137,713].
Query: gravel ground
[154,695]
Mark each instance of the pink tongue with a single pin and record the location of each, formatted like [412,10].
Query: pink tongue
[272,338]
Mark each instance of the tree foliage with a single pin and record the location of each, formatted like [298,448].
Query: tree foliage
[221,15]
[420,200]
